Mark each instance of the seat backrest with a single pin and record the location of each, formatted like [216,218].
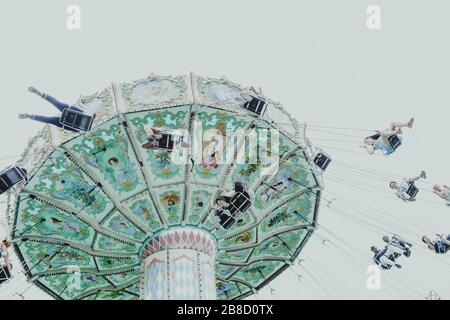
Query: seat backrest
[12,176]
[169,141]
[4,274]
[68,116]
[322,161]
[3,186]
[240,202]
[394,142]
[76,120]
[256,105]
[84,122]
[412,191]
[225,218]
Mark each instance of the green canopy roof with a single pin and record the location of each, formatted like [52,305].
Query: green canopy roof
[95,199]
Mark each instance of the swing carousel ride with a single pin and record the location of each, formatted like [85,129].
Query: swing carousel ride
[132,223]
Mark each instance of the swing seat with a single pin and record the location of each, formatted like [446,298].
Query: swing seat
[239,203]
[322,160]
[224,218]
[5,274]
[412,191]
[394,142]
[409,189]
[11,177]
[256,105]
[76,120]
[168,141]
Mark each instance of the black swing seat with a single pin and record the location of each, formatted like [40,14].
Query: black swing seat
[76,120]
[239,203]
[224,218]
[169,141]
[322,160]
[412,191]
[11,177]
[5,274]
[256,105]
[394,142]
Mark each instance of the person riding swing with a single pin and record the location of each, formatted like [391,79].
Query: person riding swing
[72,118]
[387,141]
[228,207]
[163,139]
[407,190]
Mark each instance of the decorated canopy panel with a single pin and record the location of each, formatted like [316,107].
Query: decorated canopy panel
[94,200]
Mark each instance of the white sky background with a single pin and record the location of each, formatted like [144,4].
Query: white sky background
[316,57]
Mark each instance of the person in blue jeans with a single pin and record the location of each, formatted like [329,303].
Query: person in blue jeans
[50,120]
[441,245]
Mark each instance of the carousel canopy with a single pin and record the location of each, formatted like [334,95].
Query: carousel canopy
[95,200]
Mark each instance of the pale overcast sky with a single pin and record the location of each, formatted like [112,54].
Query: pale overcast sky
[318,58]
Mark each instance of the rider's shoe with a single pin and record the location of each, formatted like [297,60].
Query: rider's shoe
[423,175]
[36,91]
[24,116]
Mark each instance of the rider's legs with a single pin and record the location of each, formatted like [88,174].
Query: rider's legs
[422,175]
[49,120]
[58,104]
[397,126]
[385,135]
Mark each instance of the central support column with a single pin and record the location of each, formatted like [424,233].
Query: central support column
[178,264]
